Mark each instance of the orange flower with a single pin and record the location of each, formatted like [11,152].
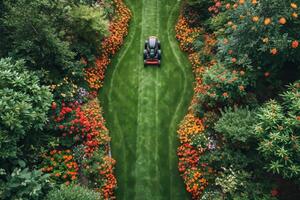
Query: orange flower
[255,19]
[282,21]
[225,94]
[242,88]
[295,44]
[254,2]
[233,60]
[294,5]
[228,6]
[274,51]
[267,21]
[294,15]
[241,1]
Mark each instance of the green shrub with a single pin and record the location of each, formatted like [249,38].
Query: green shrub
[73,192]
[278,132]
[24,104]
[237,126]
[23,184]
[89,26]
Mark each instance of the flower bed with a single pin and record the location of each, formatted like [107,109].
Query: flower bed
[110,45]
[83,151]
[240,57]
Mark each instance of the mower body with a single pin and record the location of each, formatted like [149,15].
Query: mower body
[152,51]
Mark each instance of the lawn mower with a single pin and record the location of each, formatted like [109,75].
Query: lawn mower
[152,52]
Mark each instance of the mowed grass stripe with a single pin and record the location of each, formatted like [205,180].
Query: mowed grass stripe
[143,106]
[146,185]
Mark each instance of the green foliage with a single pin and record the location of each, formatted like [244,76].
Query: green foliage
[23,104]
[23,184]
[89,26]
[237,126]
[32,33]
[52,35]
[278,133]
[72,192]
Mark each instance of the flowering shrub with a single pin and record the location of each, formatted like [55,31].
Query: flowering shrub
[71,122]
[118,29]
[97,136]
[261,39]
[186,35]
[61,165]
[223,86]
[99,171]
[189,155]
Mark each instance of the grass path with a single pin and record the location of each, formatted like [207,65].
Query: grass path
[143,106]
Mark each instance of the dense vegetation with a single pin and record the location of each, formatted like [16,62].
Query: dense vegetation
[241,138]
[52,132]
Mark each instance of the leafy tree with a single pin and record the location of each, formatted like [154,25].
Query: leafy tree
[24,104]
[89,26]
[52,35]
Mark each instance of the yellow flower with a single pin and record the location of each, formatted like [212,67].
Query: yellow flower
[265,40]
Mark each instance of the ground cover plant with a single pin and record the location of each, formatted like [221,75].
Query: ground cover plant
[246,98]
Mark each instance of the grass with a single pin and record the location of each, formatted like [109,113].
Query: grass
[144,105]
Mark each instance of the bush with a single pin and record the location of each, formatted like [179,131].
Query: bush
[223,86]
[89,26]
[24,104]
[237,126]
[72,192]
[278,132]
[259,38]
[23,184]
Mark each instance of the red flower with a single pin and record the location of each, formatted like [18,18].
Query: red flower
[274,51]
[267,74]
[295,44]
[61,127]
[274,193]
[53,106]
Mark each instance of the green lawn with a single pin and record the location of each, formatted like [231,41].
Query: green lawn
[143,106]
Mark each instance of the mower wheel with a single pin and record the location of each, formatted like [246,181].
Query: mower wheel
[159,54]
